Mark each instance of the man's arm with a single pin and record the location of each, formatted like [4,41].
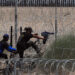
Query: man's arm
[9,48]
[38,37]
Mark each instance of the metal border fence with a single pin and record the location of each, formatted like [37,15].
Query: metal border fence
[53,3]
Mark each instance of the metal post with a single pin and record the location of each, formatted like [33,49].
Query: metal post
[20,30]
[56,21]
[15,21]
[11,37]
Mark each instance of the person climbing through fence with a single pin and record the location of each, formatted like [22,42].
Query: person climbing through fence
[46,34]
[24,41]
[5,46]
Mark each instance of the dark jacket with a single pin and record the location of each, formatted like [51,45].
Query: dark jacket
[4,45]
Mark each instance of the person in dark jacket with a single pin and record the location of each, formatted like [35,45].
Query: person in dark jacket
[4,45]
[24,41]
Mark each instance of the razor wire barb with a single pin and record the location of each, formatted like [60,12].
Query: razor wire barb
[47,65]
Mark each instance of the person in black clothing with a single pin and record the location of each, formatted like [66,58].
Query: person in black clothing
[4,45]
[24,41]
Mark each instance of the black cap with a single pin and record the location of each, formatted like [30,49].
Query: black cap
[28,29]
[5,36]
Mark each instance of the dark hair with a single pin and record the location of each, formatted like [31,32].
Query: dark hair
[5,36]
[28,29]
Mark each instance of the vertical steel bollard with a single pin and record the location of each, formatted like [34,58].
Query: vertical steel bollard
[16,3]
[20,30]
[11,36]
[55,20]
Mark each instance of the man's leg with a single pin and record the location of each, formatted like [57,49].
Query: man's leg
[3,56]
[21,54]
[32,44]
[20,49]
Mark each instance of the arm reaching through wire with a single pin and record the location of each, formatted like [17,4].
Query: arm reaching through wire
[38,37]
[46,35]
